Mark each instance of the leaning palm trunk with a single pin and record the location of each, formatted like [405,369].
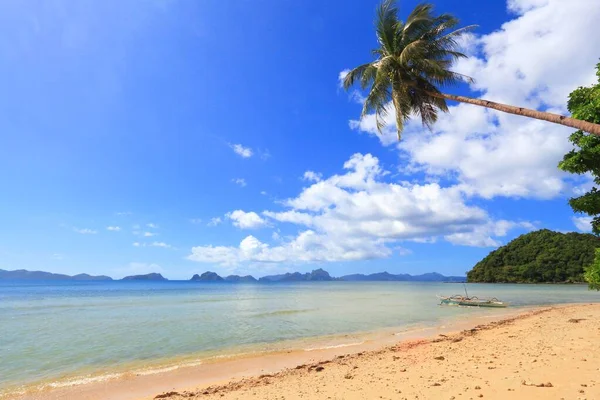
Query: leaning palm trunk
[526,112]
[413,59]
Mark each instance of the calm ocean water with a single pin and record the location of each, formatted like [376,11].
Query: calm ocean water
[55,330]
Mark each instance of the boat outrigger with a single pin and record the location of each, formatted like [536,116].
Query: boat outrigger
[460,300]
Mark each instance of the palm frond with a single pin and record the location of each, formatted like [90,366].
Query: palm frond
[386,23]
[354,75]
[414,59]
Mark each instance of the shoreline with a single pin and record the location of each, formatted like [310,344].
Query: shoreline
[146,382]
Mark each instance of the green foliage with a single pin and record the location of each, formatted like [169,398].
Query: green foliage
[584,103]
[592,272]
[540,256]
[413,59]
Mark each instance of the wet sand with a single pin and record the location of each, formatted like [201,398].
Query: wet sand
[550,353]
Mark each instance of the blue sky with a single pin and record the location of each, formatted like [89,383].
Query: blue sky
[188,128]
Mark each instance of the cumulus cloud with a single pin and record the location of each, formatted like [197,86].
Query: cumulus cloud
[239,181]
[85,231]
[246,220]
[214,221]
[357,216]
[494,154]
[584,224]
[152,226]
[244,152]
[153,244]
[113,228]
[148,234]
[312,176]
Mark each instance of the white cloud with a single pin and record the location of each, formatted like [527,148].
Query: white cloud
[152,226]
[246,220]
[481,236]
[113,228]
[584,224]
[153,244]
[358,216]
[263,193]
[244,152]
[148,234]
[495,154]
[85,231]
[196,220]
[123,213]
[312,176]
[214,221]
[161,244]
[239,181]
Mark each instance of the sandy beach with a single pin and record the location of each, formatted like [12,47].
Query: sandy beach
[548,352]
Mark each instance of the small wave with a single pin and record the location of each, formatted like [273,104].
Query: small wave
[335,346]
[82,380]
[281,312]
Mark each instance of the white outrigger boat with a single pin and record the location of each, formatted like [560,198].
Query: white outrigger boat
[466,301]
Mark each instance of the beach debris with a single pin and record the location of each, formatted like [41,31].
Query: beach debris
[319,368]
[547,384]
[166,395]
[576,320]
[477,387]
[440,358]
[348,376]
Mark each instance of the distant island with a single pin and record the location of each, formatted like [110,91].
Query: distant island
[147,277]
[23,274]
[317,275]
[543,256]
[320,275]
[209,276]
[387,277]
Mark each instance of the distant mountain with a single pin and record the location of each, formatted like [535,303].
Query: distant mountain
[387,277]
[240,279]
[315,275]
[207,277]
[147,277]
[41,275]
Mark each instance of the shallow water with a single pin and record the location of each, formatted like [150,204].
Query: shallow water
[53,330]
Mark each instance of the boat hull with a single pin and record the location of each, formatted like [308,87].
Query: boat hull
[467,303]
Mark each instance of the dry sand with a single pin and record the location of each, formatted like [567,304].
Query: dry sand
[551,353]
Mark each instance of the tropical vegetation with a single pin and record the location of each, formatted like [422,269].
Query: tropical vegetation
[584,103]
[592,272]
[540,256]
[413,62]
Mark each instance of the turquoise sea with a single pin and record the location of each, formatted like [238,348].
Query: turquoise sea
[58,331]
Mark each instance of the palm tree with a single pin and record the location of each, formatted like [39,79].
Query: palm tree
[413,60]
